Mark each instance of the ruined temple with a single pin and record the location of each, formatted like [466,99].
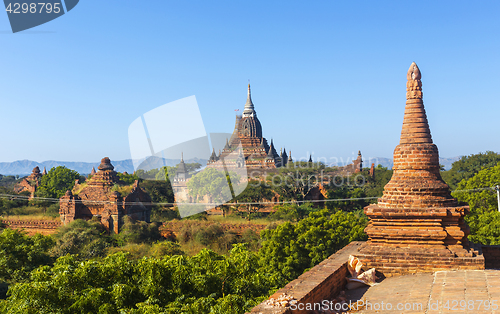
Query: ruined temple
[31,182]
[417,225]
[255,151]
[105,197]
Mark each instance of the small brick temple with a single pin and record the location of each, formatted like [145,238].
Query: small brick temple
[417,226]
[97,198]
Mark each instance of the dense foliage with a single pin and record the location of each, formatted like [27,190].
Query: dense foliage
[20,254]
[95,275]
[86,239]
[214,183]
[291,248]
[56,182]
[484,219]
[7,203]
[468,166]
[205,283]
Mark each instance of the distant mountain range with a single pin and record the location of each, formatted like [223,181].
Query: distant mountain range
[25,167]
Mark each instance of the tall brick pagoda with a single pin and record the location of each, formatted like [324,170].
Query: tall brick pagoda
[256,152]
[417,225]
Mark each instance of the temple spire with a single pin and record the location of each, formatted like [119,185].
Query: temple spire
[415,126]
[270,153]
[249,110]
[262,145]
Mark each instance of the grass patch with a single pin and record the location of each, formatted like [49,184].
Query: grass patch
[239,220]
[122,189]
[29,217]
[79,188]
[51,211]
[192,248]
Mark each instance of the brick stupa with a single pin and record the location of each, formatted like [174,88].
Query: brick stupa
[417,225]
[97,198]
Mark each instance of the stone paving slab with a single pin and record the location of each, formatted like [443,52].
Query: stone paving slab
[459,292]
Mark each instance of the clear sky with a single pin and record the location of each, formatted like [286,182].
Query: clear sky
[328,77]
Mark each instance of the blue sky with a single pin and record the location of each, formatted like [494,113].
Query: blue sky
[328,77]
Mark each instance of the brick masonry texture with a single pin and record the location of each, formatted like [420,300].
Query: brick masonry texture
[322,282]
[417,225]
[491,255]
[97,199]
[460,291]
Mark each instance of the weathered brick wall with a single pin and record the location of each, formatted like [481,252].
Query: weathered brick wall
[491,255]
[32,224]
[31,227]
[322,282]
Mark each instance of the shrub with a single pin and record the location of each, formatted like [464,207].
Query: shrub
[210,234]
[160,249]
[138,232]
[88,239]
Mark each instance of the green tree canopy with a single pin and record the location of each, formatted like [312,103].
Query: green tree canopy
[468,166]
[20,254]
[477,191]
[56,182]
[212,182]
[290,249]
[204,283]
[484,219]
[159,191]
[127,178]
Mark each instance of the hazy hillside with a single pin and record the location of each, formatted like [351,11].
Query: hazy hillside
[25,167]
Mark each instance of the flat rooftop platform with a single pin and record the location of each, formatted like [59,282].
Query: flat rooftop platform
[462,291]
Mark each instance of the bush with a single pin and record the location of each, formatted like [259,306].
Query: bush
[7,204]
[138,232]
[209,235]
[226,241]
[162,214]
[163,248]
[4,287]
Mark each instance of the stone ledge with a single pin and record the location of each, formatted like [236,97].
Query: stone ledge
[322,282]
